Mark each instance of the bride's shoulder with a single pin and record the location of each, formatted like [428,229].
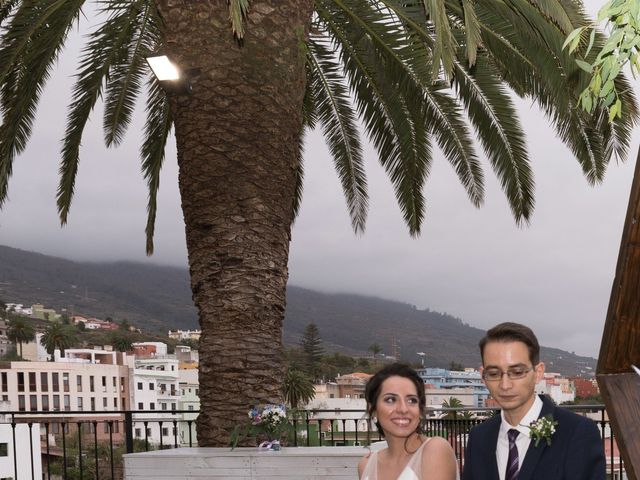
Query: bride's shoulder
[438,458]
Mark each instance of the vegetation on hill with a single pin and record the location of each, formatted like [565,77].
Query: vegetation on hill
[157,299]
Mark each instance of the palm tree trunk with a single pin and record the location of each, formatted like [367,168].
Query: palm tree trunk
[237,136]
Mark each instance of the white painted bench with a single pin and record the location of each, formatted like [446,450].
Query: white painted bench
[301,463]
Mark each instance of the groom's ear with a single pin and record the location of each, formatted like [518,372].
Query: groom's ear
[539,369]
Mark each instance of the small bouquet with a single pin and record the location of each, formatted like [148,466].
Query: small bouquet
[267,422]
[543,429]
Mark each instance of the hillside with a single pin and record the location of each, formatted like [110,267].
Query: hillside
[158,298]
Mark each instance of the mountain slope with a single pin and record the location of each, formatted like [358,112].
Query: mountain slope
[158,298]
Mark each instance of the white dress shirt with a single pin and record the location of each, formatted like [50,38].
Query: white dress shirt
[522,441]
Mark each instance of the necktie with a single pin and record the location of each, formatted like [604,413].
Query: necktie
[512,460]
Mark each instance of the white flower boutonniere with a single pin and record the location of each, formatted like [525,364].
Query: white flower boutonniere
[542,429]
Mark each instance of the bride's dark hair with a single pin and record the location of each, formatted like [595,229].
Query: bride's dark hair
[374,385]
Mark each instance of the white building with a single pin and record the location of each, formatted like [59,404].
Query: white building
[155,388]
[560,389]
[185,334]
[25,439]
[35,351]
[190,401]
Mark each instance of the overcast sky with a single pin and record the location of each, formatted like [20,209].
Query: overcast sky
[554,275]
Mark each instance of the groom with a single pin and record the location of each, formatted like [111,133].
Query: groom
[503,447]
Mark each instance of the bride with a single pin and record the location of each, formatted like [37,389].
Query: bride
[396,402]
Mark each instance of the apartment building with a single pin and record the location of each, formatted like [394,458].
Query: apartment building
[83,381]
[185,334]
[559,388]
[155,388]
[190,401]
[467,386]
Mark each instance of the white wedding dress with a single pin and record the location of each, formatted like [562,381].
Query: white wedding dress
[410,472]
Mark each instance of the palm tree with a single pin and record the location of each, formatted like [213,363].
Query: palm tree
[58,336]
[415,74]
[297,388]
[455,402]
[20,331]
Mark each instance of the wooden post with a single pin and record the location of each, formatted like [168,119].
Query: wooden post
[620,347]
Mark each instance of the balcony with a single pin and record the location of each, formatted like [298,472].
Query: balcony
[90,444]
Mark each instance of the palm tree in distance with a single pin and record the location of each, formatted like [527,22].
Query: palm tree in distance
[58,336]
[20,330]
[414,76]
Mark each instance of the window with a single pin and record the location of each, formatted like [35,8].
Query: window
[151,386]
[173,406]
[162,387]
[65,381]
[4,449]
[32,382]
[139,385]
[190,407]
[115,403]
[21,405]
[139,432]
[93,403]
[122,404]
[197,392]
[55,382]
[106,427]
[165,431]
[173,390]
[104,384]
[148,432]
[5,387]
[104,402]
[45,403]
[56,403]
[5,398]
[163,406]
[67,403]
[140,406]
[122,384]
[152,406]
[92,387]
[33,403]
[173,367]
[79,383]
[80,406]
[44,381]
[115,384]
[21,381]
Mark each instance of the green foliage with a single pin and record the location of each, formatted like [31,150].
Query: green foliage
[120,341]
[59,336]
[311,345]
[375,349]
[20,330]
[621,48]
[456,367]
[297,388]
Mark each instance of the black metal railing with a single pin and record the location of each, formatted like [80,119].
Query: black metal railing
[78,445]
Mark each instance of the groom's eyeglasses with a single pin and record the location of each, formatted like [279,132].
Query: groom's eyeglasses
[495,374]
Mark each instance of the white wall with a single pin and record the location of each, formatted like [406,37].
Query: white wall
[23,451]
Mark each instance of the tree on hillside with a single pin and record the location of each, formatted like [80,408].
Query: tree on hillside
[58,336]
[20,330]
[290,66]
[311,345]
[121,342]
[297,388]
[456,366]
[375,349]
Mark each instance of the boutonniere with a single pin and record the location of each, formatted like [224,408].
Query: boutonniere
[542,429]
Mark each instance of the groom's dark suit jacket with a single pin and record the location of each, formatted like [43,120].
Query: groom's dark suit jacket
[576,451]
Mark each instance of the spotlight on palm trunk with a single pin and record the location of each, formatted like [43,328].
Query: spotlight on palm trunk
[171,78]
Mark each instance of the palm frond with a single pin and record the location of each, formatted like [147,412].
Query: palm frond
[125,77]
[335,113]
[445,47]
[238,10]
[297,196]
[102,51]
[156,132]
[30,43]
[472,31]
[6,8]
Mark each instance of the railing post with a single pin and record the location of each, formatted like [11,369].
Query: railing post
[128,430]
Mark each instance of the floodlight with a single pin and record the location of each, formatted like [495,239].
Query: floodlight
[163,68]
